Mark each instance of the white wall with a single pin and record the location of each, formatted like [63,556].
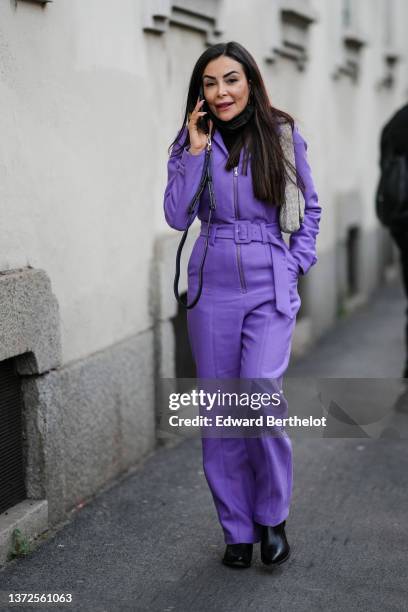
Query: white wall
[75,162]
[89,104]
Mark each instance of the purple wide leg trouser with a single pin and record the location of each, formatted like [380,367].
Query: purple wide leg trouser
[236,331]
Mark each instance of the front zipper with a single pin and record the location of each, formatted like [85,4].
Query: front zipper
[240,269]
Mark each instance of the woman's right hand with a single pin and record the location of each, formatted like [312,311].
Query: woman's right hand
[198,139]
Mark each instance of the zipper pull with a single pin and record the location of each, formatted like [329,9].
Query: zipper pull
[235,170]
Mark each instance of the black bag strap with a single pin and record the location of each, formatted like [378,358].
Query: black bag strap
[206,179]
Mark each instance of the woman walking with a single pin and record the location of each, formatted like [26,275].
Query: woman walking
[242,324]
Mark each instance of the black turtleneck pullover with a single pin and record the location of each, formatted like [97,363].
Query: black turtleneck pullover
[231,130]
[229,138]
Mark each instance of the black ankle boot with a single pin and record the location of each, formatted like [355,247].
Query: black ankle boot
[238,555]
[274,545]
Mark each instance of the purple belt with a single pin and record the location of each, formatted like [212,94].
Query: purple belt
[243,232]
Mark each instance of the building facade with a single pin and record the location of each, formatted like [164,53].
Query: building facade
[92,93]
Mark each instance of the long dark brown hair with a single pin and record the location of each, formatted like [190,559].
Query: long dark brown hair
[260,136]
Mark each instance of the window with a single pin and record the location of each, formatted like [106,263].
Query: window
[295,19]
[12,483]
[347,14]
[351,42]
[193,14]
[390,55]
[352,260]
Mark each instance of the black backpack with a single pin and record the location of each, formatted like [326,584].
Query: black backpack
[392,191]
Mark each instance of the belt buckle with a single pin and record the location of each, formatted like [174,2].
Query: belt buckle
[241,232]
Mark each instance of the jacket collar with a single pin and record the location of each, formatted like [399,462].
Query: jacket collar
[216,137]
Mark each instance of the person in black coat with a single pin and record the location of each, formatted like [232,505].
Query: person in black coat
[394,138]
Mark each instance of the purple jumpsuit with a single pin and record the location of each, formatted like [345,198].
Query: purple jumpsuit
[242,325]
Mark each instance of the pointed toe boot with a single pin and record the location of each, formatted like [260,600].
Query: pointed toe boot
[238,555]
[274,545]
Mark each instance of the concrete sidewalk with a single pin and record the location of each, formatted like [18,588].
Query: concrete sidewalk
[153,542]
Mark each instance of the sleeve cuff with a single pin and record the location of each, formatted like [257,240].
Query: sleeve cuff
[304,266]
[190,160]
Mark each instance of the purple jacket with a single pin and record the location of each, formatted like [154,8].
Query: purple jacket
[184,174]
